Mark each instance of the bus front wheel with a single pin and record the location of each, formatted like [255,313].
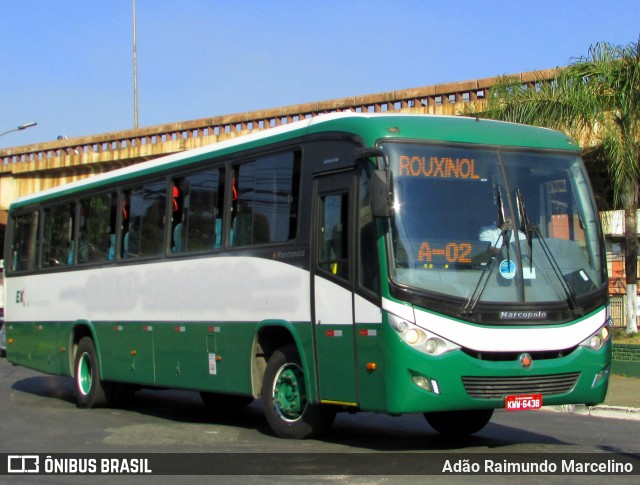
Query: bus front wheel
[90,392]
[284,398]
[457,424]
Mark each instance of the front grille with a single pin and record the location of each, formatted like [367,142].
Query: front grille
[499,387]
[506,356]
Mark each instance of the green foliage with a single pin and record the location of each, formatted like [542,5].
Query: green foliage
[620,336]
[596,99]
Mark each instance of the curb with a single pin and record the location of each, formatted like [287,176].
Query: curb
[615,412]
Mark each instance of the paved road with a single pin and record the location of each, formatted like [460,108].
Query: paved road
[39,415]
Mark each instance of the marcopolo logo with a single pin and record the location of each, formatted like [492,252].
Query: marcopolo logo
[539,315]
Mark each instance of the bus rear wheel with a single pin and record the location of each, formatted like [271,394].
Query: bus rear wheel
[458,424]
[90,392]
[284,398]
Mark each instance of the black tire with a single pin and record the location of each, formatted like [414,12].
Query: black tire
[458,424]
[3,340]
[90,392]
[284,398]
[219,402]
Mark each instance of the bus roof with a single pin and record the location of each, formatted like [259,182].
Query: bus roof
[370,127]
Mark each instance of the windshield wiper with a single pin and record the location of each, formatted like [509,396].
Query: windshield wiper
[531,230]
[506,228]
[526,227]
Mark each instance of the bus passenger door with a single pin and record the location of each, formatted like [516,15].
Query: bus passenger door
[332,287]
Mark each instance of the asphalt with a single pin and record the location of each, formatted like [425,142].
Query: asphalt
[622,401]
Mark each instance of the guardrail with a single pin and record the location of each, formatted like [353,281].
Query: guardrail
[149,142]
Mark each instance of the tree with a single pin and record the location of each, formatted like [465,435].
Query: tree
[595,98]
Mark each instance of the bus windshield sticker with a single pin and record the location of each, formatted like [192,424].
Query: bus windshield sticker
[508,269]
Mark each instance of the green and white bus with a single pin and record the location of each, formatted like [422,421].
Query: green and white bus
[364,262]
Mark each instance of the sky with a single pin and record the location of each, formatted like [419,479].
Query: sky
[68,64]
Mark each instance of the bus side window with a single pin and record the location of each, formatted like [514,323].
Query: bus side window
[265,199]
[144,230]
[97,229]
[368,263]
[57,237]
[125,205]
[24,247]
[196,215]
[179,208]
[334,249]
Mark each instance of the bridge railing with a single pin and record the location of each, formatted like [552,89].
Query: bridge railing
[149,142]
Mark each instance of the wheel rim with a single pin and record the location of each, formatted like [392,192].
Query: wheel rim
[84,376]
[289,394]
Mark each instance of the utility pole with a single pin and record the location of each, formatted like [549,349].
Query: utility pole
[135,71]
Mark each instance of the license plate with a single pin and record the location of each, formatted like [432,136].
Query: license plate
[529,402]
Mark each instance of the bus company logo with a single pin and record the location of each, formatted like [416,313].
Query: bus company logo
[525,360]
[23,464]
[32,300]
[539,315]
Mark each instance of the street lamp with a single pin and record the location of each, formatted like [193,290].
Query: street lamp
[24,126]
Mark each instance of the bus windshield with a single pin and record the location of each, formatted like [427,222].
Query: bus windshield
[490,225]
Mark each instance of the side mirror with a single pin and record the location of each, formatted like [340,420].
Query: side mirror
[381,183]
[382,193]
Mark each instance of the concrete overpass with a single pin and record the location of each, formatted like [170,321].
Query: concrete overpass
[31,168]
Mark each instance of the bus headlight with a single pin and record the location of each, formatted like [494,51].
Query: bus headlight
[421,339]
[598,339]
[412,336]
[431,345]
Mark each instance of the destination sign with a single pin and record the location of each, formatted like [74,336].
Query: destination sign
[451,252]
[438,167]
